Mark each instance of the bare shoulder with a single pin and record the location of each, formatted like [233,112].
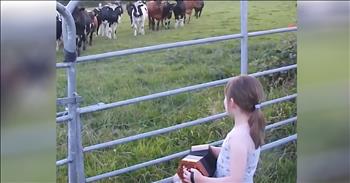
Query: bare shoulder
[240,140]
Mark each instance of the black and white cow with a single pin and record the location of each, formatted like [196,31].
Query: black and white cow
[110,17]
[139,14]
[167,14]
[179,13]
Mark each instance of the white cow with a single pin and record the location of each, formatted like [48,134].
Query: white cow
[139,15]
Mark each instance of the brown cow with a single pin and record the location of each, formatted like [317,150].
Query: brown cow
[190,5]
[159,10]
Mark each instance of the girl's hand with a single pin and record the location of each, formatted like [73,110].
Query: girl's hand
[196,175]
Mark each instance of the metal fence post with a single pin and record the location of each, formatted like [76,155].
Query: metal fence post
[244,39]
[75,148]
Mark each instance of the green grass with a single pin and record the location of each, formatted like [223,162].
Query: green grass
[142,74]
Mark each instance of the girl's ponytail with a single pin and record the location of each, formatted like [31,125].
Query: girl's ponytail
[257,127]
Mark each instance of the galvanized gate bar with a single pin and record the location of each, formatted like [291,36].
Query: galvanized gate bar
[272,31]
[63,118]
[62,65]
[281,123]
[279,142]
[94,108]
[175,127]
[244,39]
[137,166]
[263,104]
[176,155]
[156,48]
[155,132]
[62,162]
[172,45]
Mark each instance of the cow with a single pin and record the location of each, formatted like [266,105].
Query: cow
[58,31]
[129,8]
[97,12]
[83,27]
[190,5]
[93,26]
[167,13]
[139,14]
[198,9]
[179,13]
[110,17]
[159,11]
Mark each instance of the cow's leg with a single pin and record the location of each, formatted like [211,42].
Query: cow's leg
[98,29]
[98,26]
[84,41]
[57,45]
[101,30]
[149,22]
[182,21]
[135,30]
[109,34]
[167,23]
[176,23]
[143,26]
[90,37]
[119,18]
[114,30]
[200,12]
[158,24]
[104,28]
[78,41]
[153,24]
[142,30]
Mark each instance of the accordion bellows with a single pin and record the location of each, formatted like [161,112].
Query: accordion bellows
[199,158]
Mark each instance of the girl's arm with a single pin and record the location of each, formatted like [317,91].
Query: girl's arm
[238,161]
[215,150]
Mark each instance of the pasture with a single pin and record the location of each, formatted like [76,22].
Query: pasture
[142,74]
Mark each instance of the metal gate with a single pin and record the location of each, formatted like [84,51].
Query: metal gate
[75,159]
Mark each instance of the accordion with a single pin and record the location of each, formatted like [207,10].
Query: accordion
[200,158]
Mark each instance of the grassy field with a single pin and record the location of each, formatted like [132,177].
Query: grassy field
[137,75]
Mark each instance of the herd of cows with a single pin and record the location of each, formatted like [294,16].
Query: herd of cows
[104,20]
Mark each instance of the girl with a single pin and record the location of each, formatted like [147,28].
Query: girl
[238,157]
